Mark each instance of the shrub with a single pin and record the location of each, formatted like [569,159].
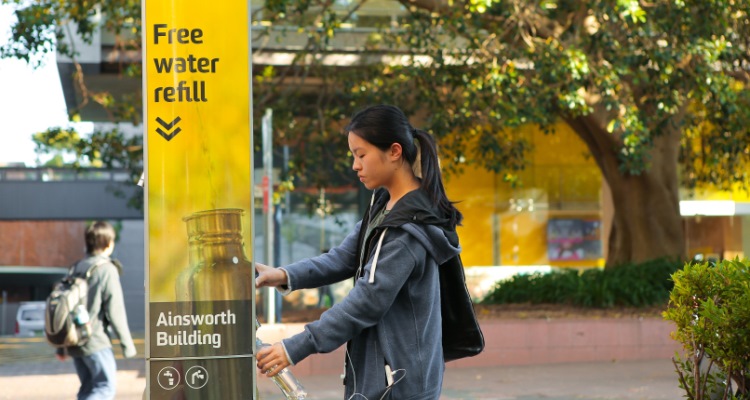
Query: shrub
[636,285]
[710,306]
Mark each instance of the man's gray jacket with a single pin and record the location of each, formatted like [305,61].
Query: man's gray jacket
[106,307]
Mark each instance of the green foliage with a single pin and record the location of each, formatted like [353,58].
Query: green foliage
[34,35]
[42,25]
[636,285]
[718,159]
[636,79]
[486,66]
[107,149]
[710,306]
[103,149]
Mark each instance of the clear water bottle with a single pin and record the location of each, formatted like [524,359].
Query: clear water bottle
[285,380]
[81,315]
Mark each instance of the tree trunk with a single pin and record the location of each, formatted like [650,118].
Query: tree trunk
[646,223]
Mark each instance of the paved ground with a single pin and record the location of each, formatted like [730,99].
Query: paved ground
[29,371]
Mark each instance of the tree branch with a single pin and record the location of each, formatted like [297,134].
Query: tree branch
[682,379]
[743,76]
[437,6]
[600,143]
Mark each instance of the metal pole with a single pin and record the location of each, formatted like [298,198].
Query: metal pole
[268,209]
[285,167]
[5,307]
[288,203]
[322,219]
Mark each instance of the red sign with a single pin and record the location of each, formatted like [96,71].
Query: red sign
[264,185]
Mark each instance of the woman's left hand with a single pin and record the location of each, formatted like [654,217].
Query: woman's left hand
[272,359]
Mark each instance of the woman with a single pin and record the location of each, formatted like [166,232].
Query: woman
[391,318]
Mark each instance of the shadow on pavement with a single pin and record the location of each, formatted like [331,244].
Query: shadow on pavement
[33,356]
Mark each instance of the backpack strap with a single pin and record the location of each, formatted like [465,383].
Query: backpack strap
[93,267]
[87,274]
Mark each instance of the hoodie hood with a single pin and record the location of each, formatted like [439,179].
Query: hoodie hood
[417,215]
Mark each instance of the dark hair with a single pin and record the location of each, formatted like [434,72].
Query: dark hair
[98,236]
[383,125]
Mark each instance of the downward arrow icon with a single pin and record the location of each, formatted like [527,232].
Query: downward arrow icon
[168,127]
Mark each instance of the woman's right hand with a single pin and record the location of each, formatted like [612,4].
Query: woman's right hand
[269,276]
[272,359]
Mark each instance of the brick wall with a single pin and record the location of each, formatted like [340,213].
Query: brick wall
[41,243]
[531,342]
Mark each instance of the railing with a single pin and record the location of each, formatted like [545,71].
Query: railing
[47,174]
[67,194]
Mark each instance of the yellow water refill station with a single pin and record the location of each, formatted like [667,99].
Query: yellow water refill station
[200,295]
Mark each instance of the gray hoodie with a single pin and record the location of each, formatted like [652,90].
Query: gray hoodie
[106,306]
[391,319]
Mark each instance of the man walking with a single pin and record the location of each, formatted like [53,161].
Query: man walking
[94,361]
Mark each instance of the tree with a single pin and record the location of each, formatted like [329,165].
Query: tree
[633,79]
[648,86]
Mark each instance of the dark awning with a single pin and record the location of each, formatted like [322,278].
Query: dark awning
[31,276]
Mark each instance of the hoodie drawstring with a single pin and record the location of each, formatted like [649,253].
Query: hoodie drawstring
[375,259]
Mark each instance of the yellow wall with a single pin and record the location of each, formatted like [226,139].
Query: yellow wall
[709,193]
[475,193]
[562,180]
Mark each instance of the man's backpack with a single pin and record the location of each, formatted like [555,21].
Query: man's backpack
[66,320]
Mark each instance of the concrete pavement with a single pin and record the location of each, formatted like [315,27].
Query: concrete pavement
[28,371]
[643,380]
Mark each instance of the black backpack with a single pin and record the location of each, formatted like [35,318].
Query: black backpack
[462,336]
[66,320]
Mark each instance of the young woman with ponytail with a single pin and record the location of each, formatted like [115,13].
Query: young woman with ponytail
[390,321]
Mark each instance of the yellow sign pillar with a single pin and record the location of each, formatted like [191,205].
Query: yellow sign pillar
[198,156]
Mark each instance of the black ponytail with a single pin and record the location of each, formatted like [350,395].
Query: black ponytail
[432,178]
[383,125]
